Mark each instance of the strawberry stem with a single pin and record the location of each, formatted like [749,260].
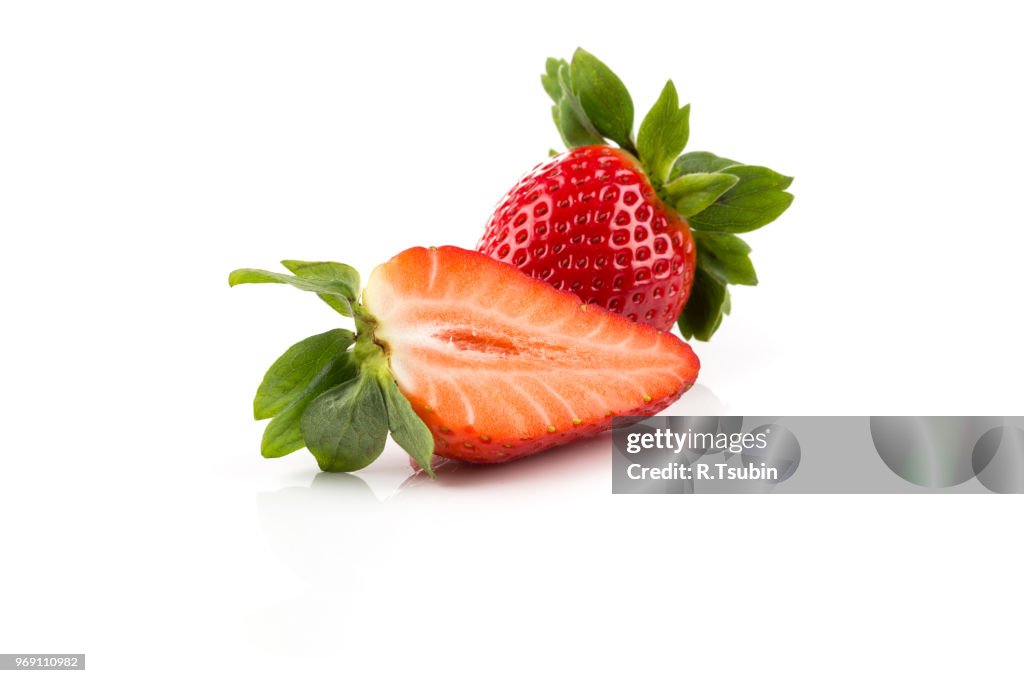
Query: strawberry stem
[366,345]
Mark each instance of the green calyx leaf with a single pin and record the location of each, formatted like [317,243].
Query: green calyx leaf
[325,271]
[720,197]
[407,429]
[572,128]
[346,427]
[708,304]
[339,402]
[757,199]
[663,134]
[329,271]
[338,292]
[700,162]
[283,434]
[570,119]
[297,367]
[692,193]
[604,98]
[300,375]
[725,257]
[549,79]
[590,102]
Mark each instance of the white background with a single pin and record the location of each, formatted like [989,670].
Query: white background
[146,149]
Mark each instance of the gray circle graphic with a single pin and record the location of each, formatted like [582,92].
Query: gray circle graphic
[930,451]
[781,452]
[998,460]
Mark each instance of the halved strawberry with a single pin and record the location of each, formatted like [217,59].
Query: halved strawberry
[459,355]
[500,365]
[639,228]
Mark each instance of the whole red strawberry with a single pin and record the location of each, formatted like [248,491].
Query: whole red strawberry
[638,228]
[590,222]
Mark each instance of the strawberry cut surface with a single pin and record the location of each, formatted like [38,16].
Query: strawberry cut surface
[589,222]
[499,365]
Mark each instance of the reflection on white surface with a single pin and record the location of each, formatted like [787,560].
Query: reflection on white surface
[699,400]
[389,531]
[370,568]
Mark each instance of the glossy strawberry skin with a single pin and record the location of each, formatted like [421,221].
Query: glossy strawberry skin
[589,222]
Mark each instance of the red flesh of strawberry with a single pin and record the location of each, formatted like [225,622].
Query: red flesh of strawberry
[499,365]
[589,222]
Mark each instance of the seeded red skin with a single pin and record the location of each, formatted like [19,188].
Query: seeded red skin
[589,222]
